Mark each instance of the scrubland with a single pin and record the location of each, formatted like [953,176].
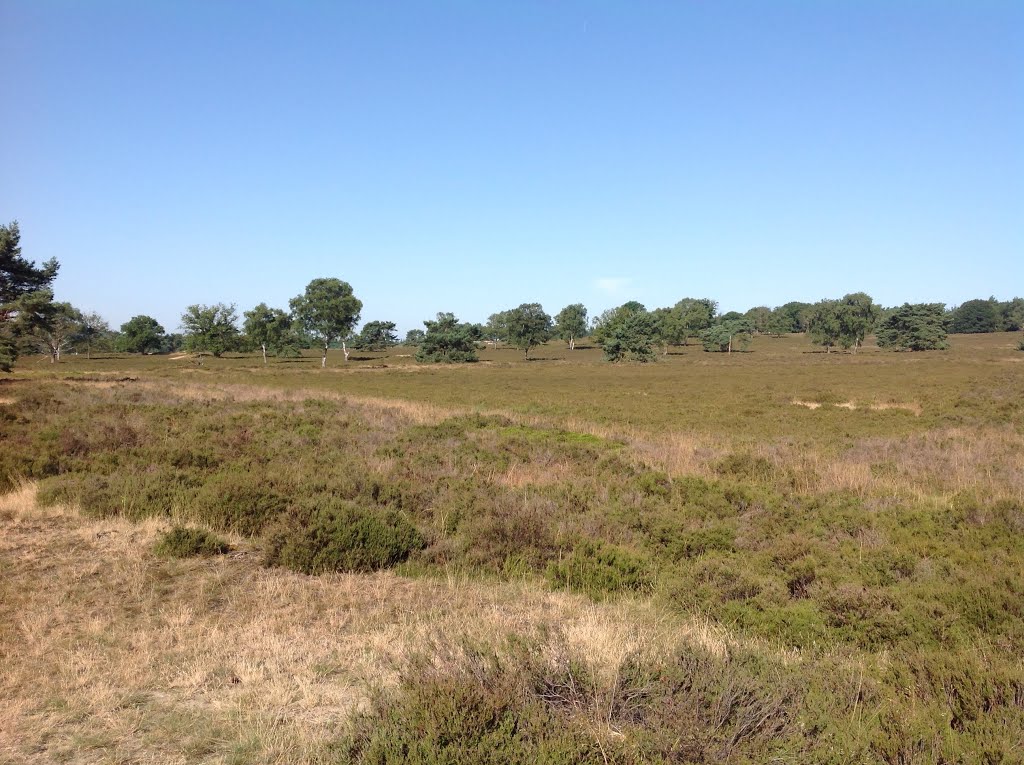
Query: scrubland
[772,556]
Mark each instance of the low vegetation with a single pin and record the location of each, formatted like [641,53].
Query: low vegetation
[701,571]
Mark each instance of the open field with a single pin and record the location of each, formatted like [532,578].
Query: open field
[773,556]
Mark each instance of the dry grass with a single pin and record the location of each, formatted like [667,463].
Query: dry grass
[937,463]
[113,655]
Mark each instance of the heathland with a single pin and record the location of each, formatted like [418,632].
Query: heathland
[778,555]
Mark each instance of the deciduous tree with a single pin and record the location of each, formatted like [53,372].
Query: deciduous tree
[571,323]
[141,334]
[527,327]
[328,311]
[93,331]
[210,328]
[269,328]
[57,327]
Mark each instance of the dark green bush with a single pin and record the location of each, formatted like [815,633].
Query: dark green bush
[185,542]
[341,537]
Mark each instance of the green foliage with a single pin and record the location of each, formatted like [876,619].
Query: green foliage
[19,276]
[977,316]
[26,302]
[914,327]
[94,333]
[447,341]
[210,328]
[466,718]
[547,706]
[598,569]
[187,542]
[376,336]
[727,335]
[414,337]
[844,322]
[527,326]
[141,334]
[344,537]
[626,332]
[792,317]
[328,311]
[271,329]
[236,500]
[760,318]
[1012,314]
[571,323]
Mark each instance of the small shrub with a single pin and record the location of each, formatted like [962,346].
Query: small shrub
[345,538]
[238,502]
[185,542]
[701,541]
[598,569]
[745,467]
[462,718]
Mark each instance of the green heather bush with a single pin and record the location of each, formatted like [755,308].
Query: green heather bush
[523,708]
[598,569]
[343,537]
[462,719]
[186,542]
[239,501]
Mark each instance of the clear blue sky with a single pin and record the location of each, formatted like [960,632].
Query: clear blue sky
[472,156]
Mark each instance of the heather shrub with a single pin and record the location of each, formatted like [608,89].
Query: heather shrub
[344,537]
[597,569]
[186,542]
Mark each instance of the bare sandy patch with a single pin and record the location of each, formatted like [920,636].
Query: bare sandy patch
[807,404]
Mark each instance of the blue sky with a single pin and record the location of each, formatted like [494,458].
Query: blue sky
[472,156]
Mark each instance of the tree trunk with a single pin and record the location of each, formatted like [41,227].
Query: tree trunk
[572,343]
[264,347]
[344,349]
[730,344]
[323,360]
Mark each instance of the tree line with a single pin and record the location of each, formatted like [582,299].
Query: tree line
[327,313]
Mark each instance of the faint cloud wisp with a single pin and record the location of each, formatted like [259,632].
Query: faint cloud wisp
[612,285]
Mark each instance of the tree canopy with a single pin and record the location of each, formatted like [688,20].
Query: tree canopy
[270,329]
[24,293]
[447,341]
[727,334]
[327,310]
[141,334]
[626,332]
[376,336]
[914,327]
[210,328]
[527,326]
[571,323]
